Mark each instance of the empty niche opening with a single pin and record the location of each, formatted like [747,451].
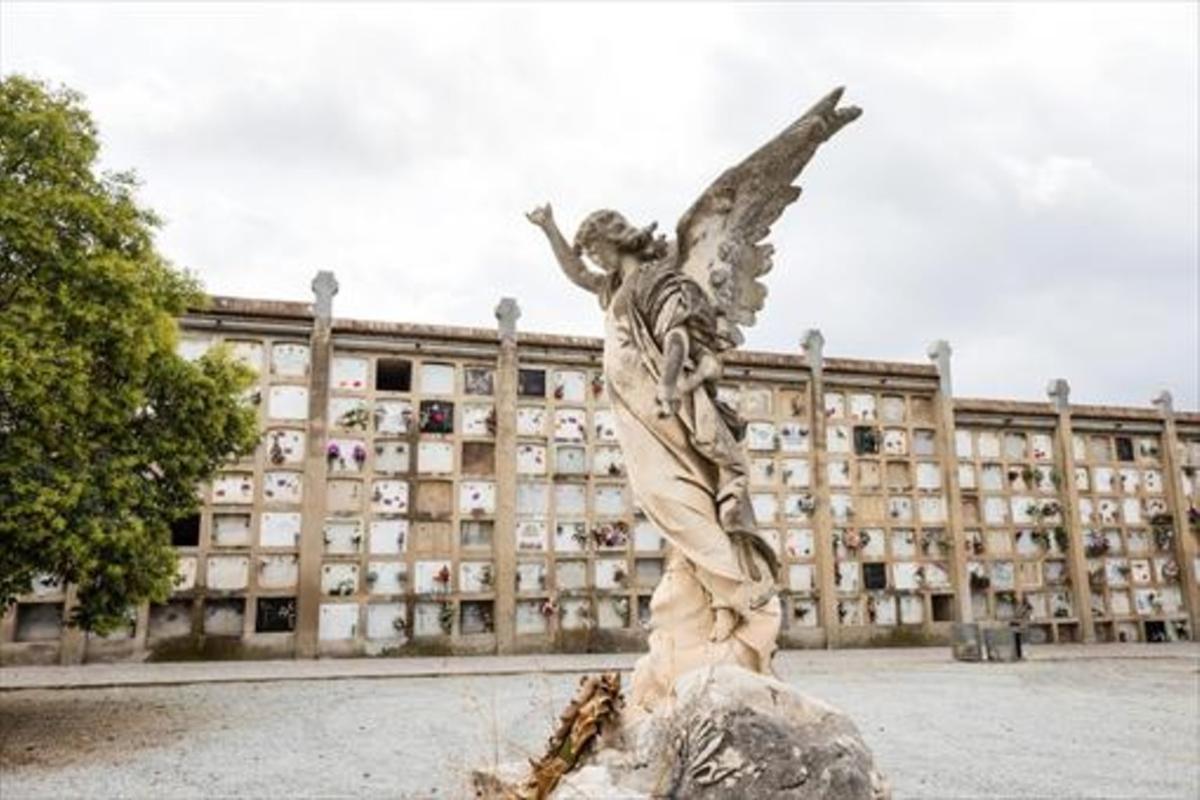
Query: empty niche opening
[866,440]
[1156,630]
[531,382]
[874,575]
[1125,453]
[475,616]
[170,620]
[393,375]
[476,533]
[224,617]
[479,458]
[275,615]
[942,606]
[185,531]
[643,603]
[437,416]
[39,622]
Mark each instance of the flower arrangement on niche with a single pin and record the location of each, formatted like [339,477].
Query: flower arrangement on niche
[614,534]
[276,453]
[354,418]
[579,535]
[1096,546]
[620,606]
[442,578]
[1163,537]
[979,582]
[922,578]
[934,539]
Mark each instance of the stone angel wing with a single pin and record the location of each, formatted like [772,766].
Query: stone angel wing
[720,239]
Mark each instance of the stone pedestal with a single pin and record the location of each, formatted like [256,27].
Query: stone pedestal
[728,733]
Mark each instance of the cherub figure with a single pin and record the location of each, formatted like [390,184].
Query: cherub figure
[672,308]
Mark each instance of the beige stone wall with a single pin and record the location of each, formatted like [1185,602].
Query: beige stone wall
[424,489]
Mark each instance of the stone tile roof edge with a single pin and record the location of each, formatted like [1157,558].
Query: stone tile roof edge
[252,307]
[989,405]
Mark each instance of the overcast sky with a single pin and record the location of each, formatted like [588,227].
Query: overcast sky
[1023,181]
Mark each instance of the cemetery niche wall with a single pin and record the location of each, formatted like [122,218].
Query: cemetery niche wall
[424,489]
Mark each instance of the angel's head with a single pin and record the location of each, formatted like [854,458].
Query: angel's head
[607,237]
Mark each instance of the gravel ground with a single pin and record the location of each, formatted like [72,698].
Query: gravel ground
[1097,727]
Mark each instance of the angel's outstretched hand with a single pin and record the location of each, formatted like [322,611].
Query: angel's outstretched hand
[542,216]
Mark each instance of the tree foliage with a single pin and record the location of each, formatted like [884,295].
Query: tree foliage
[104,431]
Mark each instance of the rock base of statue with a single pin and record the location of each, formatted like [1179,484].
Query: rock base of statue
[727,733]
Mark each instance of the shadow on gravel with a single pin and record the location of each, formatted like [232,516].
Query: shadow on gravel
[47,730]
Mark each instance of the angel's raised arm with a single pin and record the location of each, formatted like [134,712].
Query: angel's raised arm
[572,265]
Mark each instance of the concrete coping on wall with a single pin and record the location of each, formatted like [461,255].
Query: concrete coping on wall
[251,310]
[248,310]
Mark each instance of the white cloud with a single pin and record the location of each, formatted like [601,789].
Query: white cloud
[1057,180]
[1023,183]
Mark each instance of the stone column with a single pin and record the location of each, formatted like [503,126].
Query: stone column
[1059,392]
[504,541]
[312,526]
[814,344]
[1185,543]
[939,353]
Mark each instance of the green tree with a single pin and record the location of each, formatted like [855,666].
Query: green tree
[104,431]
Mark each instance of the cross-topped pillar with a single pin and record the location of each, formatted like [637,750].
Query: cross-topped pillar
[1184,549]
[813,343]
[939,353]
[504,542]
[312,524]
[1059,392]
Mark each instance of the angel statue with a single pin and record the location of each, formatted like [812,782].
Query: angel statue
[672,310]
